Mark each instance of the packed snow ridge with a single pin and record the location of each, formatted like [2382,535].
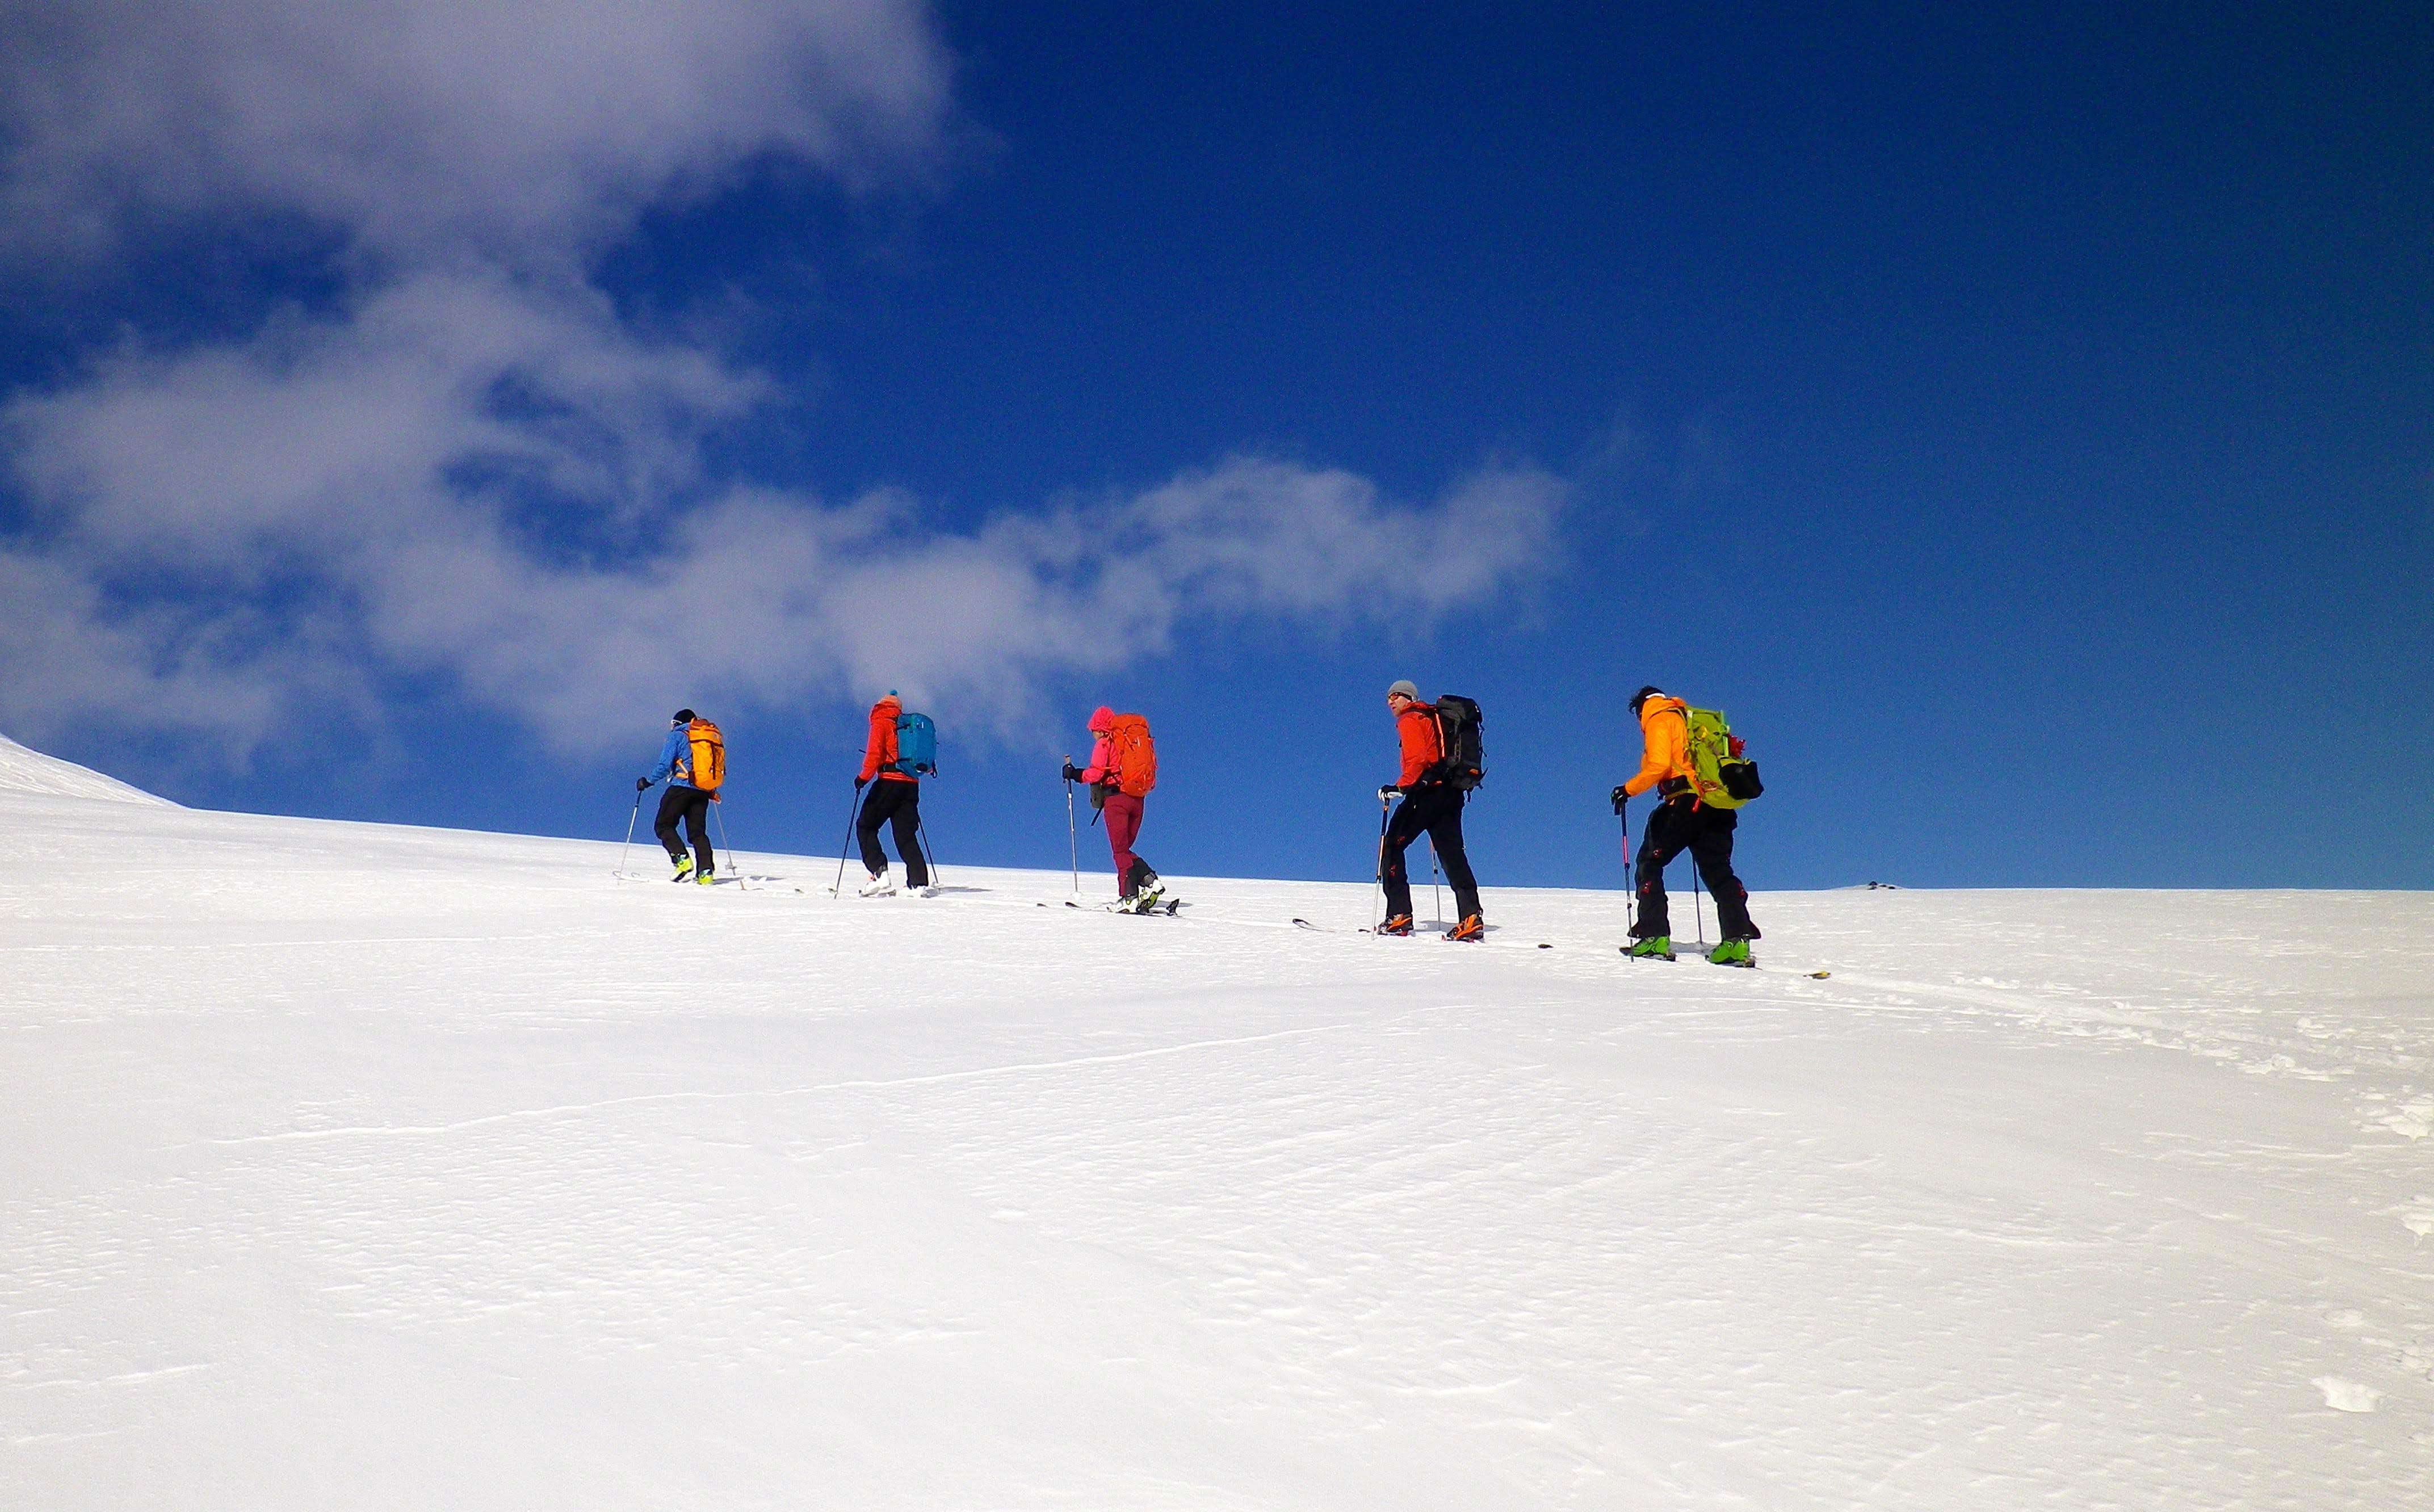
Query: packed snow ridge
[356,1166]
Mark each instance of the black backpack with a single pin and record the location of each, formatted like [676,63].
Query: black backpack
[1464,765]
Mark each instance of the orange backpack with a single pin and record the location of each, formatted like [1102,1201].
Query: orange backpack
[709,757]
[1132,755]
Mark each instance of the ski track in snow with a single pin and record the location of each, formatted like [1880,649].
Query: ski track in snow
[359,1166]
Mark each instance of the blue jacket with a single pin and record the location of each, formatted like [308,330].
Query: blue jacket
[675,760]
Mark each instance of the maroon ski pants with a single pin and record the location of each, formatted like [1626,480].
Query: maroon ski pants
[1124,815]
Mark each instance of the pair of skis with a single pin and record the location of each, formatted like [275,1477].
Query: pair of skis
[1701,957]
[1322,929]
[1164,907]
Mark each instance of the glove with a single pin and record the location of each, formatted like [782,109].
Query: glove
[642,785]
[1620,798]
[1389,793]
[860,782]
[1072,772]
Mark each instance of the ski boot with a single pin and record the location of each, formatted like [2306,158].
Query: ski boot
[1399,926]
[1655,948]
[684,870]
[1731,953]
[706,875]
[1472,927]
[880,886]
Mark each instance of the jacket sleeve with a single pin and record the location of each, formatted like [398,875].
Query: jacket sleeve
[1418,731]
[1100,756]
[881,749]
[671,751]
[1664,744]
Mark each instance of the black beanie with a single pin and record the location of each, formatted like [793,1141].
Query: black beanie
[684,717]
[1652,691]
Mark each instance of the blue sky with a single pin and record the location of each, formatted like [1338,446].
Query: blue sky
[2021,423]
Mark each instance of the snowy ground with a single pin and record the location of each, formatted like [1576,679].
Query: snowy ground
[351,1166]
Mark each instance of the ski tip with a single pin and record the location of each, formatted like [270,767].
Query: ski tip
[1819,976]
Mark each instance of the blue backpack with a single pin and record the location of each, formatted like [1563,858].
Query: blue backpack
[917,745]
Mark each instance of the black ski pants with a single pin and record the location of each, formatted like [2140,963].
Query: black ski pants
[896,803]
[1434,810]
[1679,825]
[692,805]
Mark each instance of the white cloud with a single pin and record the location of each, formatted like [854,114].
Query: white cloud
[317,436]
[214,676]
[474,469]
[429,129]
[387,462]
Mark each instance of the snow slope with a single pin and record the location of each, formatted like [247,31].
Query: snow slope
[30,771]
[351,1166]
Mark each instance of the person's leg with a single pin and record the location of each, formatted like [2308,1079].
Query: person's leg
[1409,819]
[1660,844]
[1123,813]
[697,815]
[1142,872]
[866,828]
[671,809]
[1444,833]
[907,819]
[1711,851]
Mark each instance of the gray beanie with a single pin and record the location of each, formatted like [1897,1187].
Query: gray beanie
[1406,687]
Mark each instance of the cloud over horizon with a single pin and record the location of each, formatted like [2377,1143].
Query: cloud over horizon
[472,468]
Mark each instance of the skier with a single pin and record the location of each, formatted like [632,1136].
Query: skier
[1430,805]
[1681,823]
[682,800]
[897,799]
[1123,770]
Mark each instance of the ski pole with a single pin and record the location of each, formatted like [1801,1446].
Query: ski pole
[1377,892]
[1697,905]
[1073,835]
[850,807]
[1436,888]
[929,857]
[718,817]
[1629,887]
[630,831]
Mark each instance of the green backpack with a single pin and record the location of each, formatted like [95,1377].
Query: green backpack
[1721,775]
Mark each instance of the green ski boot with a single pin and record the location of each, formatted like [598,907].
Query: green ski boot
[684,869]
[1731,953]
[1655,948]
[706,878]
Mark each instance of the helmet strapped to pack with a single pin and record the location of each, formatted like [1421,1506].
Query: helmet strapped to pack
[1462,763]
[1721,775]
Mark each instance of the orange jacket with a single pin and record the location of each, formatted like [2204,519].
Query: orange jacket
[1665,740]
[878,756]
[1422,750]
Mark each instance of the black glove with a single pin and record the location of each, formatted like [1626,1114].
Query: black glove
[1072,772]
[1389,793]
[1620,798]
[860,782]
[642,785]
